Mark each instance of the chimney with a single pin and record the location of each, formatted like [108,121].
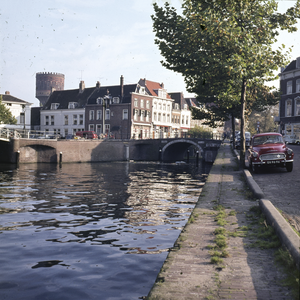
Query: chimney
[121,87]
[162,85]
[98,84]
[81,86]
[7,93]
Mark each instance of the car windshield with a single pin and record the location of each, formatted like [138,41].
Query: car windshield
[267,139]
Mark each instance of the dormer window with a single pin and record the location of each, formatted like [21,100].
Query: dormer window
[72,105]
[116,100]
[142,90]
[99,100]
[54,105]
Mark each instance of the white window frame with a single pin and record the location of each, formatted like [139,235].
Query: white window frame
[107,114]
[125,114]
[288,109]
[75,120]
[99,114]
[66,120]
[54,105]
[91,115]
[298,86]
[297,106]
[289,87]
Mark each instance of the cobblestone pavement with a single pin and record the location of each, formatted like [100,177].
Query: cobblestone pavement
[248,273]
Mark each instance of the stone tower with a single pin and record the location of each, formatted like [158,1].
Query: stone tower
[46,83]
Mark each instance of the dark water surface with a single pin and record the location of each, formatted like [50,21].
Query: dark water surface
[90,231]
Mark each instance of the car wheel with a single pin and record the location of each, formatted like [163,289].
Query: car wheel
[298,143]
[289,167]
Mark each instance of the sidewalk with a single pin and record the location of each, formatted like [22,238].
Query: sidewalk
[248,272]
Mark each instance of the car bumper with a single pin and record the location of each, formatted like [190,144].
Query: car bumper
[272,162]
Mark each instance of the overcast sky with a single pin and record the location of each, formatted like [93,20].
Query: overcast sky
[90,40]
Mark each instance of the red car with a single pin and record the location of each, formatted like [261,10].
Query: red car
[269,149]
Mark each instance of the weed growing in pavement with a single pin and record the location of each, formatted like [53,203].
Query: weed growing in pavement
[266,238]
[286,262]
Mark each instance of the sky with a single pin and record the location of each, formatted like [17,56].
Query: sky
[89,40]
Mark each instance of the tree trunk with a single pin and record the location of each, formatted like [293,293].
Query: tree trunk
[242,134]
[233,130]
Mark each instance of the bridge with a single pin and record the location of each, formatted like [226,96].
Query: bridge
[31,150]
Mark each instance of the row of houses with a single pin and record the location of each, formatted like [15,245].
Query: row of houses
[289,109]
[140,111]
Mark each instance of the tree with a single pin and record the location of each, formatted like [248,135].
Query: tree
[223,48]
[6,116]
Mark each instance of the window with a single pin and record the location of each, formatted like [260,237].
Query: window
[142,102]
[182,120]
[187,120]
[66,120]
[99,114]
[80,119]
[159,106]
[52,120]
[66,132]
[176,106]
[74,119]
[135,114]
[147,116]
[168,107]
[72,105]
[46,120]
[289,87]
[142,115]
[164,117]
[136,103]
[185,107]
[91,115]
[297,106]
[159,117]
[98,128]
[22,118]
[116,100]
[107,114]
[155,105]
[155,117]
[107,128]
[168,118]
[54,131]
[125,114]
[148,104]
[99,100]
[164,106]
[298,86]
[54,105]
[91,127]
[288,108]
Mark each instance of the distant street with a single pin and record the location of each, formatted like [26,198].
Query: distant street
[282,188]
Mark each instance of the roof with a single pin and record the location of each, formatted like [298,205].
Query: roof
[11,99]
[66,96]
[290,67]
[152,87]
[113,91]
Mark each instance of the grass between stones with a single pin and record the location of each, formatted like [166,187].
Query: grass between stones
[261,235]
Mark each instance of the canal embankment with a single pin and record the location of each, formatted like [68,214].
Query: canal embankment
[220,253]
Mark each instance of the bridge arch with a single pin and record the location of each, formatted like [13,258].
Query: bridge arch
[38,153]
[175,150]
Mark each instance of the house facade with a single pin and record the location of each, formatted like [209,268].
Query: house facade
[64,112]
[289,109]
[138,111]
[20,109]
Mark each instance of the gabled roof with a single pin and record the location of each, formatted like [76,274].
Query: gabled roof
[290,67]
[152,87]
[66,96]
[113,91]
[11,99]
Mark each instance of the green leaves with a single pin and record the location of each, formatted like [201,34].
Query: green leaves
[6,116]
[217,44]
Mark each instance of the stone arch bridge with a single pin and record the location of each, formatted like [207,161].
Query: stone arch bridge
[20,150]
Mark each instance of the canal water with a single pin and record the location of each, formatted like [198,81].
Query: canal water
[90,231]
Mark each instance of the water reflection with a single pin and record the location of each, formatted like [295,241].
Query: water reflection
[86,219]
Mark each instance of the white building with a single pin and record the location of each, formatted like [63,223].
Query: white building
[20,109]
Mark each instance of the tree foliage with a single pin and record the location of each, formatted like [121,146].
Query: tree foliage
[6,116]
[223,48]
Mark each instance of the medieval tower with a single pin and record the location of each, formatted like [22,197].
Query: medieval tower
[46,83]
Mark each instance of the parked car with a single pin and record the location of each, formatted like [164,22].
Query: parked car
[238,140]
[87,134]
[269,149]
[69,136]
